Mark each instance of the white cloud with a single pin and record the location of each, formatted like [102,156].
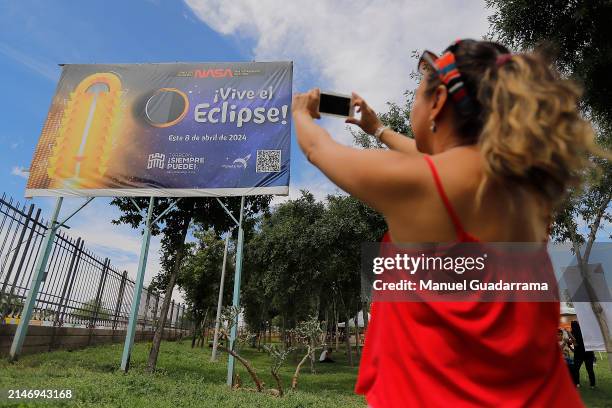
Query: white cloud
[46,70]
[347,45]
[20,172]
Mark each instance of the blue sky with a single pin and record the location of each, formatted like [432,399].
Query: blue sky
[36,36]
[339,45]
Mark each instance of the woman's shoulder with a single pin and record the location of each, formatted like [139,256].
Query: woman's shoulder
[485,207]
[460,159]
[459,170]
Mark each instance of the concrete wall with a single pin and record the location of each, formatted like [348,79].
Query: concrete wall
[44,338]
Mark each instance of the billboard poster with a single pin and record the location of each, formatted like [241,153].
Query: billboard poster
[175,129]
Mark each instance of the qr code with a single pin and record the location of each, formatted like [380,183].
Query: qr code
[268,161]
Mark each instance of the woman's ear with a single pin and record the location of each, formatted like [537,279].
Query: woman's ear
[438,101]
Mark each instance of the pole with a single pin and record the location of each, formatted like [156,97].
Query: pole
[142,264]
[236,298]
[219,303]
[39,272]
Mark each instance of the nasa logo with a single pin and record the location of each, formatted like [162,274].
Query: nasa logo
[215,73]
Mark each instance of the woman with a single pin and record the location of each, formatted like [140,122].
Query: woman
[566,348]
[498,139]
[581,355]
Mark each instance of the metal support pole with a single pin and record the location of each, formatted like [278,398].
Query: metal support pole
[236,298]
[62,223]
[39,272]
[220,301]
[142,264]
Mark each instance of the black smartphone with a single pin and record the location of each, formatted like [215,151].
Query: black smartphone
[336,104]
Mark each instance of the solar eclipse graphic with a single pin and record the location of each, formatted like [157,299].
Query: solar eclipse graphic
[175,129]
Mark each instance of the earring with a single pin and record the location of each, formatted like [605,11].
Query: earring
[433,126]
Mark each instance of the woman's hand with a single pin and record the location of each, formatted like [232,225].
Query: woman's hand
[369,122]
[307,103]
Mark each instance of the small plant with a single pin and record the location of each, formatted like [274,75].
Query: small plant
[308,333]
[229,316]
[10,305]
[278,355]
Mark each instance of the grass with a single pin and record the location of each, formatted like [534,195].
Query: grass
[186,378]
[601,396]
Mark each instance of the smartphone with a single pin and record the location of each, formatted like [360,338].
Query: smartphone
[335,104]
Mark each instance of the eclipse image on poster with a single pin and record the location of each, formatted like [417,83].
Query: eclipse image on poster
[166,107]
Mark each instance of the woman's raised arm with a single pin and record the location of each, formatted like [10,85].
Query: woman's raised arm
[369,123]
[377,177]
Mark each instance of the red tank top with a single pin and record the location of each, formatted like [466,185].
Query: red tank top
[464,354]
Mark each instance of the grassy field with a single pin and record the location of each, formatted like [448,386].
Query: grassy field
[187,378]
[601,396]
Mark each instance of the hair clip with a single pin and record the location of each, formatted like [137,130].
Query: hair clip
[502,59]
[450,76]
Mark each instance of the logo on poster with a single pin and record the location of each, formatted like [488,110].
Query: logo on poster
[215,73]
[156,161]
[240,162]
[207,73]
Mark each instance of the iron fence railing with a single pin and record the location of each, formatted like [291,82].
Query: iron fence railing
[79,288]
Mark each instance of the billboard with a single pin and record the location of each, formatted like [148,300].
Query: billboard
[175,129]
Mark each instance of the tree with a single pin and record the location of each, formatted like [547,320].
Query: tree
[577,30]
[308,333]
[173,247]
[284,262]
[228,318]
[347,224]
[397,118]
[254,294]
[578,33]
[93,308]
[174,227]
[278,355]
[303,261]
[199,277]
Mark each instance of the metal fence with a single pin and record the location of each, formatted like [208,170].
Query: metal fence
[79,288]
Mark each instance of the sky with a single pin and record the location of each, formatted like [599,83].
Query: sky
[342,46]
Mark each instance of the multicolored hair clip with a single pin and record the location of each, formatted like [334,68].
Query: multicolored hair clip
[446,68]
[502,59]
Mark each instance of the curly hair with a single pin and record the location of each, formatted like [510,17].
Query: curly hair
[524,117]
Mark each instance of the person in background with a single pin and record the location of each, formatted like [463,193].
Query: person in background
[566,349]
[582,356]
[325,356]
